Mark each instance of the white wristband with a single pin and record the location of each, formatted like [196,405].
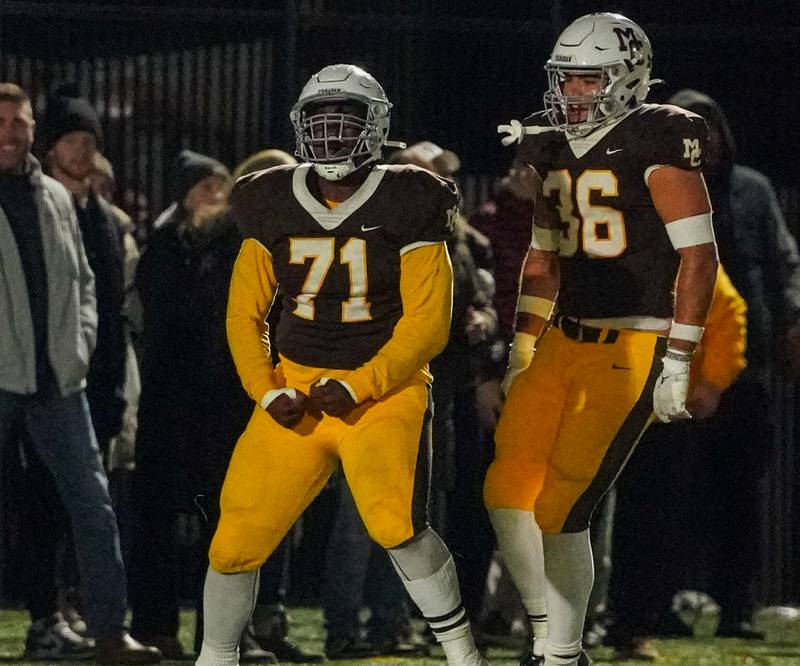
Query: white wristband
[269,396]
[688,332]
[348,388]
[536,305]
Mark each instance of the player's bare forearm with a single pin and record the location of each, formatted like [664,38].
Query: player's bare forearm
[695,289]
[540,279]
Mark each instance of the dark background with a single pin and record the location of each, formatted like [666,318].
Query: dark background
[456,69]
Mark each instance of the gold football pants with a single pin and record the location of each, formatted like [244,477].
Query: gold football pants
[275,472]
[569,424]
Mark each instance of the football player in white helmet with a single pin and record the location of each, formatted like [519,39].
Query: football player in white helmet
[598,71]
[621,266]
[358,252]
[341,121]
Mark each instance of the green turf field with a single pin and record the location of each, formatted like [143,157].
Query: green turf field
[307,631]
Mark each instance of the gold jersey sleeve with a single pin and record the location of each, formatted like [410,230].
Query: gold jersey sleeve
[252,291]
[421,333]
[721,354]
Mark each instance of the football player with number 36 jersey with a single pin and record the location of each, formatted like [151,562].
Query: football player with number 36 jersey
[614,294]
[356,251]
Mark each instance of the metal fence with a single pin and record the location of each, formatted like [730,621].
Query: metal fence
[214,99]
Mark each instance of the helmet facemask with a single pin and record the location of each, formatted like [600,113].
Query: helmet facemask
[339,141]
[599,106]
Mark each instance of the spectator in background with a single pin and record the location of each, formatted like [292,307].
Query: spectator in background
[48,286]
[358,574]
[71,131]
[506,221]
[72,134]
[263,159]
[192,406]
[121,448]
[662,494]
[760,255]
[460,441]
[350,546]
[199,185]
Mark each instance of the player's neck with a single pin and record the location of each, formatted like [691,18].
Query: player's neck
[341,190]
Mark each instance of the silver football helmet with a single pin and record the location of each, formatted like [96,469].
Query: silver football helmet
[606,44]
[341,120]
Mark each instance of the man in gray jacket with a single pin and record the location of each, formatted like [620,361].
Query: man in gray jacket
[48,325]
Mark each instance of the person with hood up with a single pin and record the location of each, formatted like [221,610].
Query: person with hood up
[760,255]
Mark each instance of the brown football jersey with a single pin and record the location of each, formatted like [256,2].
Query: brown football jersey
[339,269]
[616,257]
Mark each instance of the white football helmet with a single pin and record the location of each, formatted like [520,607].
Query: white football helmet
[341,141]
[606,44]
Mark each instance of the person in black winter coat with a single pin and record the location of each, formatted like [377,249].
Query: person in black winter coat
[192,406]
[760,255]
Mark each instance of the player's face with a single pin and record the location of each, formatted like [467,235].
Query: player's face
[336,137]
[583,86]
[16,135]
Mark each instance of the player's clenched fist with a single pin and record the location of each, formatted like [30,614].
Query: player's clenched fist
[332,398]
[287,406]
[671,390]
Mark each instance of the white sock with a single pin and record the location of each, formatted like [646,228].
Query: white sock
[519,540]
[570,574]
[429,575]
[228,602]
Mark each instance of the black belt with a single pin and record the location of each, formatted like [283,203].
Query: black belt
[581,333]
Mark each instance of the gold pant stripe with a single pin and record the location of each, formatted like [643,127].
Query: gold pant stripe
[621,448]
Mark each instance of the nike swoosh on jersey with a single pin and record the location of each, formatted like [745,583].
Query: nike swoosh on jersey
[611,151]
[363,228]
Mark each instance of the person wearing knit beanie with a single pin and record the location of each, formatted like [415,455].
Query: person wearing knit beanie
[68,112]
[190,169]
[198,188]
[72,136]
